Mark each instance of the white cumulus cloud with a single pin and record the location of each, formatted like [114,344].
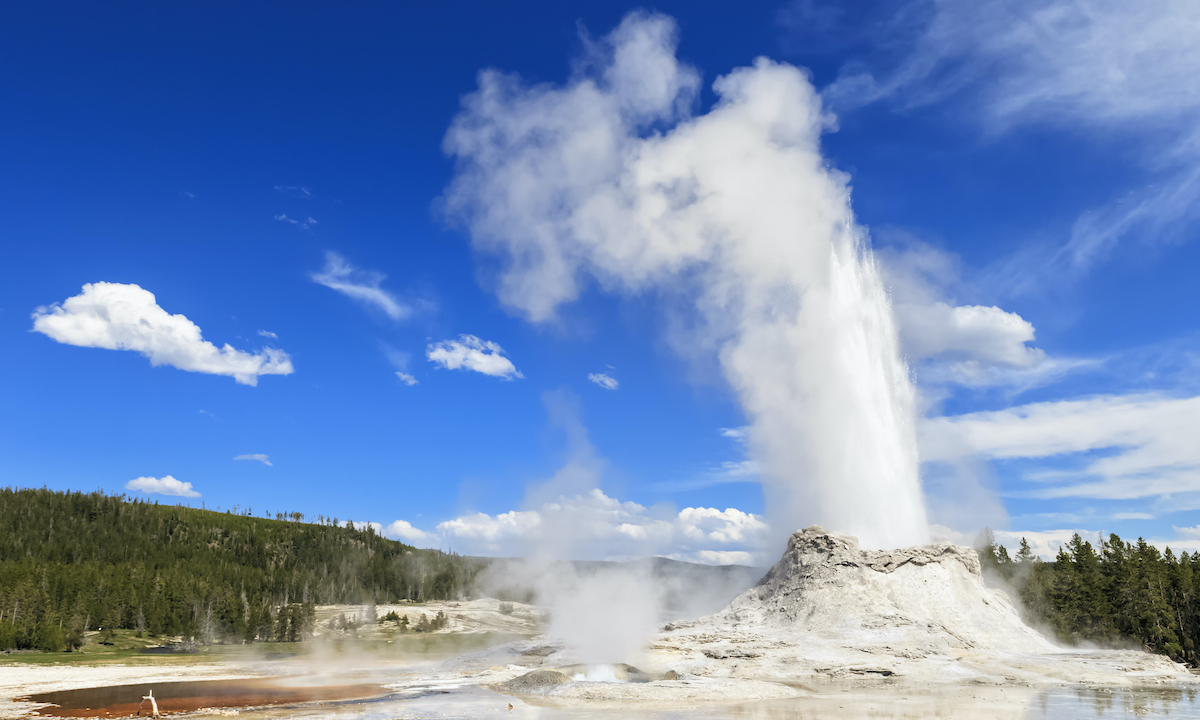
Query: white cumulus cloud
[603,527]
[406,378]
[116,316]
[604,380]
[268,334]
[361,285]
[968,344]
[403,530]
[165,485]
[260,457]
[737,434]
[975,331]
[471,353]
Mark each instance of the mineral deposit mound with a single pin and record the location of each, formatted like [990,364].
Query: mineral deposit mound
[829,608]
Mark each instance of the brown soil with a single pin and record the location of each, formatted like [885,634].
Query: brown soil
[173,697]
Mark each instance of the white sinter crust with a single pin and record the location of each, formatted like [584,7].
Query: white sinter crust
[829,609]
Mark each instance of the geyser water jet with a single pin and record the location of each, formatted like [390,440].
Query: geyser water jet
[610,178]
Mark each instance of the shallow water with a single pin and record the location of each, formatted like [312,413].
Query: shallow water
[347,682]
[295,698]
[882,704]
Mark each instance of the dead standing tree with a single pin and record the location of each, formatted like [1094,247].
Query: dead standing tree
[153,705]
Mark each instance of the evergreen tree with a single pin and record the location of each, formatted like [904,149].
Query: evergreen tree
[1119,593]
[71,561]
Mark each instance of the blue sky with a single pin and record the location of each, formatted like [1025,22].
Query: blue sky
[1028,174]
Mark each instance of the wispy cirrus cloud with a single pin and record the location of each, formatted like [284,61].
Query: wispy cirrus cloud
[400,361]
[469,352]
[604,380]
[1125,446]
[117,316]
[1097,66]
[361,285]
[297,190]
[260,457]
[304,223]
[1051,61]
[165,485]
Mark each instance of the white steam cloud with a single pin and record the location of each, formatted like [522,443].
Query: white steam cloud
[610,177]
[116,316]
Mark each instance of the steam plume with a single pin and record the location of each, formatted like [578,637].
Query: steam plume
[610,178]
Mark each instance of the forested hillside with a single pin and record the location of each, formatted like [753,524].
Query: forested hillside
[1121,593]
[70,562]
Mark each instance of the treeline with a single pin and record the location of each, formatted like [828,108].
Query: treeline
[1115,593]
[72,562]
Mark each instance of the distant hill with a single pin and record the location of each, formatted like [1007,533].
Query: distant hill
[76,561]
[71,562]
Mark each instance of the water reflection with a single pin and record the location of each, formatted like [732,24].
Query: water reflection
[892,703]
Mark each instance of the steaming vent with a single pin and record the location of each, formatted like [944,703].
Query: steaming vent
[605,672]
[597,673]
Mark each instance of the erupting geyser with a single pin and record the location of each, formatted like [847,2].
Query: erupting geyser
[831,610]
[612,178]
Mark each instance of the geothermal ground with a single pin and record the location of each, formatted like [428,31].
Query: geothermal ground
[830,631]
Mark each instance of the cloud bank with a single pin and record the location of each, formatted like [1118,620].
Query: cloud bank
[604,528]
[115,316]
[165,485]
[470,353]
[1126,447]
[610,180]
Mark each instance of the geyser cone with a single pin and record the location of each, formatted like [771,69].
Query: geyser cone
[830,609]
[931,597]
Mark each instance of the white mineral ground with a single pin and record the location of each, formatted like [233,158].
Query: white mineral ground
[829,613]
[319,667]
[22,680]
[831,629]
